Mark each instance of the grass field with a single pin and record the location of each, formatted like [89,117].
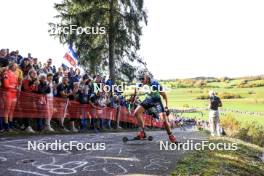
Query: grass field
[182,97]
[252,100]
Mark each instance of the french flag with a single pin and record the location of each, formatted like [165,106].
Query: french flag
[70,59]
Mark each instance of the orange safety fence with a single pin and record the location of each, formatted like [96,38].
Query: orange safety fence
[31,105]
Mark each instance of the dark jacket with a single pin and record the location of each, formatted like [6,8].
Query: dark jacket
[3,62]
[215,102]
[43,88]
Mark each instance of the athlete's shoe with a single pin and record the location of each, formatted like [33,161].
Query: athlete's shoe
[172,138]
[141,135]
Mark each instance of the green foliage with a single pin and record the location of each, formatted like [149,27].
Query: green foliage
[222,95]
[225,82]
[203,97]
[186,106]
[116,49]
[251,83]
[225,79]
[230,124]
[253,133]
[251,92]
[186,83]
[228,95]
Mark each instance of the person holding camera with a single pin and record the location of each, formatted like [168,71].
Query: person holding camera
[42,104]
[214,121]
[74,110]
[86,89]
[64,91]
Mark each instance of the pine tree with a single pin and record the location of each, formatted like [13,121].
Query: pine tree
[117,48]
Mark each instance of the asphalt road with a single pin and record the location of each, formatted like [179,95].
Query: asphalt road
[118,158]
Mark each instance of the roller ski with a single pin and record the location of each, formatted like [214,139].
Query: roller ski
[141,136]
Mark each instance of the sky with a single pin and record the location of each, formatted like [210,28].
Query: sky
[182,39]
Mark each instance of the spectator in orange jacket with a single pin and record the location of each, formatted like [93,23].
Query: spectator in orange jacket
[10,85]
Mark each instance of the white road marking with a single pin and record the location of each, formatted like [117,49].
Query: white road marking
[28,172]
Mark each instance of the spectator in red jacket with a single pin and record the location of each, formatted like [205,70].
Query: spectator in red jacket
[29,85]
[10,86]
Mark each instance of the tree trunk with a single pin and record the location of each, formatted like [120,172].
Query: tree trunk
[92,66]
[111,42]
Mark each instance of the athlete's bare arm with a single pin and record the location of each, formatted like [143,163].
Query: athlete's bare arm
[164,96]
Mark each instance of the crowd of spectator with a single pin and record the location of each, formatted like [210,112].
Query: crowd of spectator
[27,74]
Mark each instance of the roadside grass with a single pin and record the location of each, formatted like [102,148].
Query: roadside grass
[243,119]
[244,161]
